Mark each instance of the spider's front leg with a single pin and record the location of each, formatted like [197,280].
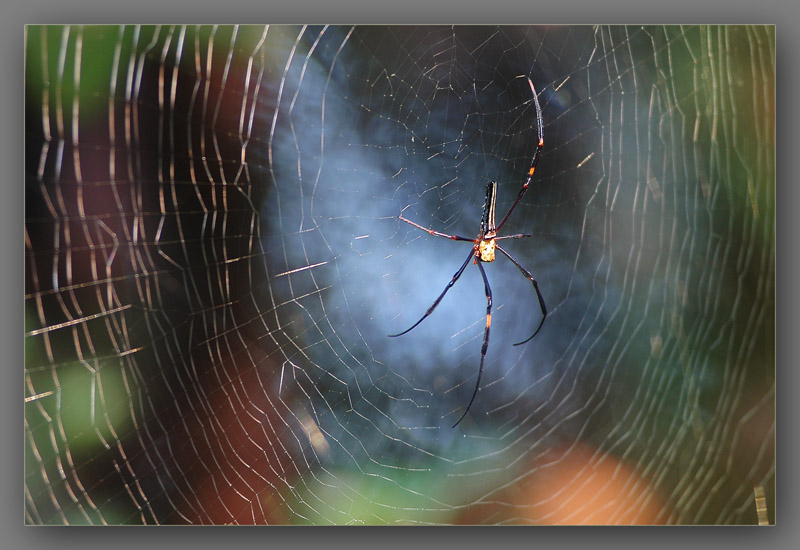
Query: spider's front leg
[452,281]
[439,299]
[485,345]
[538,294]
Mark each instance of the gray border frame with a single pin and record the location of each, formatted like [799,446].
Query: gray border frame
[14,534]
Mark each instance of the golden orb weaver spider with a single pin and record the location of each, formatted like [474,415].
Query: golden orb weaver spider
[483,250]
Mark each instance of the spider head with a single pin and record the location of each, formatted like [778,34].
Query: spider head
[486,249]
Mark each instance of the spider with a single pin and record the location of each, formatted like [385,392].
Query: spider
[483,250]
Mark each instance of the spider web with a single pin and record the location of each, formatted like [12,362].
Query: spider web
[214,260]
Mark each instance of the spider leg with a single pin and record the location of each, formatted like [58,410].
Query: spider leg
[436,233]
[515,236]
[485,339]
[439,299]
[536,156]
[538,294]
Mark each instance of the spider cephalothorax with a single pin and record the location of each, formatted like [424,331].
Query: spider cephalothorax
[484,248]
